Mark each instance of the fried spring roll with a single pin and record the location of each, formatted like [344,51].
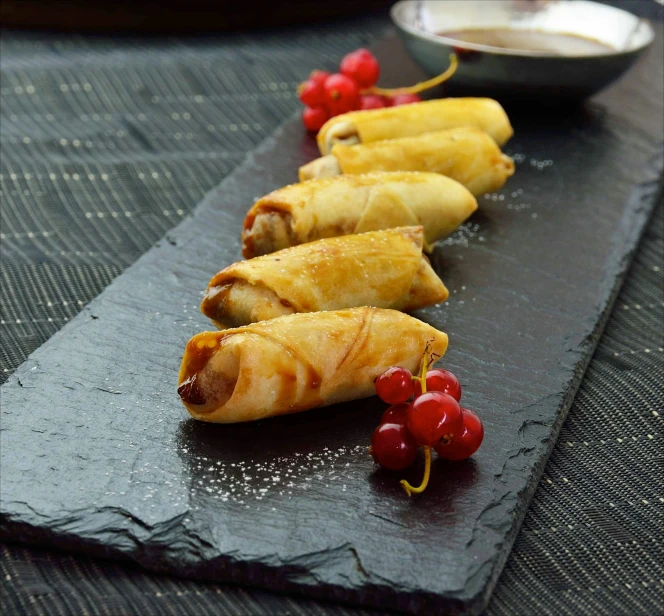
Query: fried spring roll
[411,120]
[349,204]
[467,155]
[385,269]
[298,362]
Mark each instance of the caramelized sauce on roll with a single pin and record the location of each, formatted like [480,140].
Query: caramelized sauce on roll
[200,350]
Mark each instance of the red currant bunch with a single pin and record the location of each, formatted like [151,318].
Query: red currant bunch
[425,412]
[354,87]
[328,95]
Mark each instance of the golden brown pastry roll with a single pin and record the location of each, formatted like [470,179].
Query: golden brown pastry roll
[385,269]
[349,204]
[298,362]
[467,155]
[411,120]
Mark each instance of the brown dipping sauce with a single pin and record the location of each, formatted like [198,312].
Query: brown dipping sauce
[550,43]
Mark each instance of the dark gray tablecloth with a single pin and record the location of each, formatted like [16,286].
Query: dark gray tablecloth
[109,142]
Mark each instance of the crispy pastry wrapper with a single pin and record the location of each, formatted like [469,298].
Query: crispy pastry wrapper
[467,155]
[411,120]
[298,362]
[348,204]
[385,269]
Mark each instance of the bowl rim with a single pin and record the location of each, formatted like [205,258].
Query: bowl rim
[501,51]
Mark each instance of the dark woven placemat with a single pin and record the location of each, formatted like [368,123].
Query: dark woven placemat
[107,143]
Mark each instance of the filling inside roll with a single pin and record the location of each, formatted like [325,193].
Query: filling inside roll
[213,376]
[239,303]
[342,132]
[323,167]
[268,232]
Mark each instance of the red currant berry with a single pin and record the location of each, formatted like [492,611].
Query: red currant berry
[393,447]
[395,385]
[372,101]
[314,117]
[405,99]
[442,380]
[396,414]
[319,77]
[468,442]
[362,67]
[433,418]
[341,94]
[312,94]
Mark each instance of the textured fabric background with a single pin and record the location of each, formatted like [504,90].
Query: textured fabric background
[108,143]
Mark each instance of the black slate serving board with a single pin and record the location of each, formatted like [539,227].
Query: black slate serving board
[99,455]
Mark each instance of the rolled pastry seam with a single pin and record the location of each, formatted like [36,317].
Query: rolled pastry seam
[298,362]
[348,204]
[411,120]
[467,155]
[384,269]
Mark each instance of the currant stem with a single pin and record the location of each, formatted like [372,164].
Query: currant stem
[427,450]
[425,480]
[419,87]
[423,374]
[422,379]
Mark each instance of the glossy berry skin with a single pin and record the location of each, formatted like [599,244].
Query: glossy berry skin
[434,418]
[393,447]
[405,99]
[314,117]
[312,94]
[372,101]
[341,94]
[318,77]
[468,442]
[395,385]
[362,67]
[445,381]
[397,414]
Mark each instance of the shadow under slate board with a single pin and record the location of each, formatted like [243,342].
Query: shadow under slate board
[99,455]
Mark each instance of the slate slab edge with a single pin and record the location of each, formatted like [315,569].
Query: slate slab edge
[642,201]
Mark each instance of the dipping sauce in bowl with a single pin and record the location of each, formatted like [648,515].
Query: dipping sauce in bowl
[546,43]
